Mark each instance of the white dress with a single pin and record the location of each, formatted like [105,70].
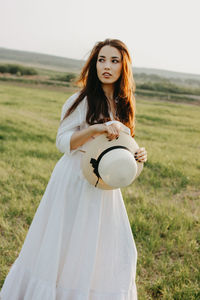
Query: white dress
[79,245]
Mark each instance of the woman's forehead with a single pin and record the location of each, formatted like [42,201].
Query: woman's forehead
[109,51]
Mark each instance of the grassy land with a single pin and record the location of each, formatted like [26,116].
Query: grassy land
[162,204]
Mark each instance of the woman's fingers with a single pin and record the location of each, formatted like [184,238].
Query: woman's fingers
[113,131]
[141,155]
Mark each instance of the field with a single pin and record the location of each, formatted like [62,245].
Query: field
[162,204]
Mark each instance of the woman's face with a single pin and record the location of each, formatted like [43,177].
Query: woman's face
[109,64]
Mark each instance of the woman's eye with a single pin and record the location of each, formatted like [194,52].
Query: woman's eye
[115,61]
[101,59]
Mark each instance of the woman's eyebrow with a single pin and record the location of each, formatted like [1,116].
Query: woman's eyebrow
[111,57]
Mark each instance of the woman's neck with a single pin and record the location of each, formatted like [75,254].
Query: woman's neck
[108,91]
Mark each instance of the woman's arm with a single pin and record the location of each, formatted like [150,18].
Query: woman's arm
[82,136]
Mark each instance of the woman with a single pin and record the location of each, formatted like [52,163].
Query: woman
[80,245]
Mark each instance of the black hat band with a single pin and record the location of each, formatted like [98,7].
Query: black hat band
[95,162]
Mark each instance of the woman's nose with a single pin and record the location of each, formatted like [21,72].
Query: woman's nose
[107,66]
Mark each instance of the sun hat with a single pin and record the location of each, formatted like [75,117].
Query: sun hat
[111,164]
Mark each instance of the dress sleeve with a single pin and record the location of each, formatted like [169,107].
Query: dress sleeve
[68,126]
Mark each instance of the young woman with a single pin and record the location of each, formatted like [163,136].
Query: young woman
[80,244]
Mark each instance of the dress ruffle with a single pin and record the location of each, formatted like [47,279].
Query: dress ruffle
[21,284]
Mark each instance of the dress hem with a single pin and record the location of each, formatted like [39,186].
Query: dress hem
[21,284]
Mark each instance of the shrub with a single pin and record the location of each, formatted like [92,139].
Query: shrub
[66,77]
[17,69]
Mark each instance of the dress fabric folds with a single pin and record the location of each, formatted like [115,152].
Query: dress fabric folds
[79,245]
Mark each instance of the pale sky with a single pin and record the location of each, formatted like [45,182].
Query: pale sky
[159,34]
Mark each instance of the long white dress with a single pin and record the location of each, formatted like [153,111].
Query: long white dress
[79,245]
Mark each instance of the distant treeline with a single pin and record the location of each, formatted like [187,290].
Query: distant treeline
[168,87]
[17,69]
[20,70]
[66,77]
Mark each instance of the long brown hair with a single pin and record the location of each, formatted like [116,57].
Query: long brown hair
[123,92]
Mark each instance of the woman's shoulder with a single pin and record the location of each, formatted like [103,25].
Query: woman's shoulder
[70,100]
[81,108]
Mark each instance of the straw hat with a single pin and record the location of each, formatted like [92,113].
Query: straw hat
[111,164]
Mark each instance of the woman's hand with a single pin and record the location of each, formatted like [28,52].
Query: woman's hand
[141,155]
[112,131]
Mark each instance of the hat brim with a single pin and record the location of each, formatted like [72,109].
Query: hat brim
[93,148]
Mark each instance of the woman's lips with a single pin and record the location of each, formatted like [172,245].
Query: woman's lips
[106,75]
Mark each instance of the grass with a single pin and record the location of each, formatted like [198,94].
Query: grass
[162,204]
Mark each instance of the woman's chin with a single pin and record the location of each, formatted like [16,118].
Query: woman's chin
[107,81]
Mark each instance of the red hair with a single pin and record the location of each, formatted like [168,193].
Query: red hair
[124,89]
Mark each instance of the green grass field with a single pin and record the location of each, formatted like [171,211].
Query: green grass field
[162,204]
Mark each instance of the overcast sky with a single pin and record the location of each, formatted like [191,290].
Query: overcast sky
[161,34]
